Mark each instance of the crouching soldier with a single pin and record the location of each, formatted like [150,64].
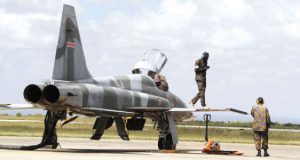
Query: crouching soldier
[261,125]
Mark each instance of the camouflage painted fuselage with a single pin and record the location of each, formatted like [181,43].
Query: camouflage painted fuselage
[135,93]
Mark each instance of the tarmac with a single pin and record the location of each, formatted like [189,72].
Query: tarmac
[116,149]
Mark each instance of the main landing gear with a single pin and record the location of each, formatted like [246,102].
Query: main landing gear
[167,133]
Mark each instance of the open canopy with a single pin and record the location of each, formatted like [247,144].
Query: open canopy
[153,60]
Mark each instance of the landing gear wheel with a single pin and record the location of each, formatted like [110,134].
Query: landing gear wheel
[169,143]
[166,143]
[161,143]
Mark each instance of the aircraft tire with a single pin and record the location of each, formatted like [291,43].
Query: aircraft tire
[169,143]
[161,143]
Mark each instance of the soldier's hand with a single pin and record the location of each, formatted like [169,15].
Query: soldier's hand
[207,67]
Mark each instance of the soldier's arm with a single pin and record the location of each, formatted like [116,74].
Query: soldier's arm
[162,78]
[252,112]
[196,66]
[268,118]
[197,69]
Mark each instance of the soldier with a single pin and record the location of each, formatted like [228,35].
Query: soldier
[261,125]
[200,70]
[161,82]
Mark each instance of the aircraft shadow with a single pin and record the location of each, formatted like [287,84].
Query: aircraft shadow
[118,151]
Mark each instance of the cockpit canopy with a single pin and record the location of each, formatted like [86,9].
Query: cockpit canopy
[153,60]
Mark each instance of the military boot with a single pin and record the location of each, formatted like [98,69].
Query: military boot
[203,104]
[258,153]
[266,154]
[193,101]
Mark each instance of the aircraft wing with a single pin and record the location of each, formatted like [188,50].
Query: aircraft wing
[102,111]
[16,106]
[207,109]
[183,110]
[148,109]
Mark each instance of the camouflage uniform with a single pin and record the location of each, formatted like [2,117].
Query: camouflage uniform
[161,82]
[261,124]
[200,70]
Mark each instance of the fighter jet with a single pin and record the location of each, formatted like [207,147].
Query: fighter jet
[73,90]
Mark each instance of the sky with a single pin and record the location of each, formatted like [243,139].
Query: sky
[253,45]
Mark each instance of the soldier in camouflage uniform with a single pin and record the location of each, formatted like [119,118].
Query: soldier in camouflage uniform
[261,125]
[161,82]
[200,70]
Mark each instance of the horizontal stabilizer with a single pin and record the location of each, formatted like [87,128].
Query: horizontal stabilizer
[16,106]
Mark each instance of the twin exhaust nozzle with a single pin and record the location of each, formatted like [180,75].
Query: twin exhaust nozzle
[41,94]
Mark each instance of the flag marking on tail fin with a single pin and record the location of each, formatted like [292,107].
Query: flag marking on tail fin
[71,44]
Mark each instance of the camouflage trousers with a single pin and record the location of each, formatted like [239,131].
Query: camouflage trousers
[261,136]
[201,94]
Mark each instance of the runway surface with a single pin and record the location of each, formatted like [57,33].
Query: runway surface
[79,149]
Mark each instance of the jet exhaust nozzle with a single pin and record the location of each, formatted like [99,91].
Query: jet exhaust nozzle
[33,93]
[51,94]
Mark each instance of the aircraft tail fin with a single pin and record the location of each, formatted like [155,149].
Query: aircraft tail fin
[69,63]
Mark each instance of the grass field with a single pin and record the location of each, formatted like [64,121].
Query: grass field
[184,133]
